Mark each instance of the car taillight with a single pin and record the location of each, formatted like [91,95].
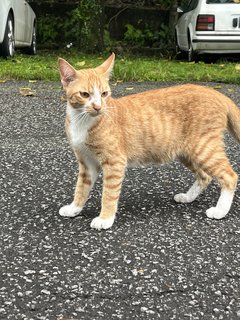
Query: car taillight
[205,22]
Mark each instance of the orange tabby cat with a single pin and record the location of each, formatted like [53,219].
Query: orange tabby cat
[185,122]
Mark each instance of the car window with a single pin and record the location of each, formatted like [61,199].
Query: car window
[222,1]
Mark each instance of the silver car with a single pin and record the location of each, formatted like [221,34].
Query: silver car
[17,27]
[209,26]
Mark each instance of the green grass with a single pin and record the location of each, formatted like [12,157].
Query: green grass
[44,67]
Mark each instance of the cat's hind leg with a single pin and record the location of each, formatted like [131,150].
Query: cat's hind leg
[228,181]
[223,205]
[209,160]
[191,194]
[202,181]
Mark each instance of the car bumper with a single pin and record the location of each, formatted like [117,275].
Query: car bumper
[216,44]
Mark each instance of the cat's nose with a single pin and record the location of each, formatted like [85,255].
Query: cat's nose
[96,107]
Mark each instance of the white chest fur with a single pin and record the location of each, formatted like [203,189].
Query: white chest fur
[80,123]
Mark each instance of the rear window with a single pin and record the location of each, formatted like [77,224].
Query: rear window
[222,1]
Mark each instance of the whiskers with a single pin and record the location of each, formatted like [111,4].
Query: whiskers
[80,117]
[105,111]
[109,112]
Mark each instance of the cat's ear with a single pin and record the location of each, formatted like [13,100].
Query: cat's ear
[67,72]
[107,66]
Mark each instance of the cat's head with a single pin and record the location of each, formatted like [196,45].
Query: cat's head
[88,89]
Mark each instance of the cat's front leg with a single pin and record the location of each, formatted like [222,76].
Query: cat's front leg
[70,210]
[113,174]
[85,182]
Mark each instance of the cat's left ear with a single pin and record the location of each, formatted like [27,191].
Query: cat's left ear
[67,72]
[107,66]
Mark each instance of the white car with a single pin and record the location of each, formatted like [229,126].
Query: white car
[17,27]
[209,26]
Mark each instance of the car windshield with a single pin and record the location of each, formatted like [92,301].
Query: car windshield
[222,1]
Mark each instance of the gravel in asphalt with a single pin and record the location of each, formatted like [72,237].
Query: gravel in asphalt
[160,260]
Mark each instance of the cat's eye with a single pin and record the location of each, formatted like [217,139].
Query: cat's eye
[104,94]
[84,94]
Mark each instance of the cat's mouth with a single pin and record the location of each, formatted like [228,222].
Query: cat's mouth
[95,113]
[94,110]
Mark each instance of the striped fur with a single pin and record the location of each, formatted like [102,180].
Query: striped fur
[185,122]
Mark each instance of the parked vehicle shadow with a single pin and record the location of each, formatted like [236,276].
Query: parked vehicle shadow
[208,58]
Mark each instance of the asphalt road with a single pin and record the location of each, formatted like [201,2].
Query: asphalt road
[160,260]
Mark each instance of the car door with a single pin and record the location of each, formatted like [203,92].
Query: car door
[21,18]
[183,24]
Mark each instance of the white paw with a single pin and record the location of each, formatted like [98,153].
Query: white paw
[100,223]
[70,210]
[215,213]
[181,197]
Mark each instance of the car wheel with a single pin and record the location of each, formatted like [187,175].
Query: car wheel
[177,49]
[179,54]
[191,54]
[33,48]
[7,48]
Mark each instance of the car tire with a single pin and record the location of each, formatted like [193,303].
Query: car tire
[7,47]
[177,49]
[179,54]
[191,54]
[33,48]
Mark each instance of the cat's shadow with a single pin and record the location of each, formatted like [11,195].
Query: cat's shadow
[148,192]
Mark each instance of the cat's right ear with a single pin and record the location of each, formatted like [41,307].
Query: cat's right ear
[67,72]
[107,66]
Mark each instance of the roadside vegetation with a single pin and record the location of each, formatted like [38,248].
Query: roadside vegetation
[43,66]
[87,27]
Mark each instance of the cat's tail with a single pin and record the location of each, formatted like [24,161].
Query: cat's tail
[234,121]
